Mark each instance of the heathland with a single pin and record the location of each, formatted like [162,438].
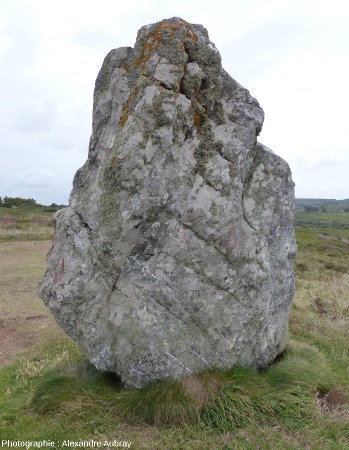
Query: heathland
[49,391]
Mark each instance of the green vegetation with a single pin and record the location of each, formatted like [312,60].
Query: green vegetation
[17,202]
[49,391]
[27,203]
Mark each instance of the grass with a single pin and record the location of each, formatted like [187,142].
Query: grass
[49,391]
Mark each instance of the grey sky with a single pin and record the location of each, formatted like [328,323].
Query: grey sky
[293,56]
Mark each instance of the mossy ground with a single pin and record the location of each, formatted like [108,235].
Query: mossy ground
[48,391]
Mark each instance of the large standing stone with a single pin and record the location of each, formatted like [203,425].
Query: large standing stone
[176,252]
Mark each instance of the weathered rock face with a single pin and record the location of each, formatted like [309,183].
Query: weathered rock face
[176,252]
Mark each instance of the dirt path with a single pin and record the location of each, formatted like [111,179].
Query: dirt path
[24,319]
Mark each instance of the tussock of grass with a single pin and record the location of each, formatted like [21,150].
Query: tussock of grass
[160,403]
[303,364]
[250,397]
[53,391]
[70,383]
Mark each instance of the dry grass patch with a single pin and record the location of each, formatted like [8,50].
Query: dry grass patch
[25,224]
[203,388]
[335,403]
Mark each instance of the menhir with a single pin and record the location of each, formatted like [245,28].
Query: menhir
[176,252]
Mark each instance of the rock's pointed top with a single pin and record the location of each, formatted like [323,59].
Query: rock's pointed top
[174,39]
[177,27]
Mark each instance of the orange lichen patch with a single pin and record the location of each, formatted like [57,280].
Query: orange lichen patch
[155,38]
[198,116]
[126,110]
[126,67]
[149,46]
[179,88]
[197,120]
[145,55]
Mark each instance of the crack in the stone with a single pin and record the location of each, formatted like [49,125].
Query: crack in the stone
[163,85]
[245,184]
[110,287]
[245,218]
[226,158]
[211,185]
[83,221]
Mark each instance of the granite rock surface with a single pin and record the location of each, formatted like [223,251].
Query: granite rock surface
[176,252]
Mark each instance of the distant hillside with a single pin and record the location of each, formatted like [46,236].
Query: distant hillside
[322,204]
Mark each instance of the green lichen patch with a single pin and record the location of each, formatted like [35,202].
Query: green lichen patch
[109,202]
[207,148]
[157,109]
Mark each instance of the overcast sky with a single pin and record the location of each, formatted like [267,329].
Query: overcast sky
[293,56]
